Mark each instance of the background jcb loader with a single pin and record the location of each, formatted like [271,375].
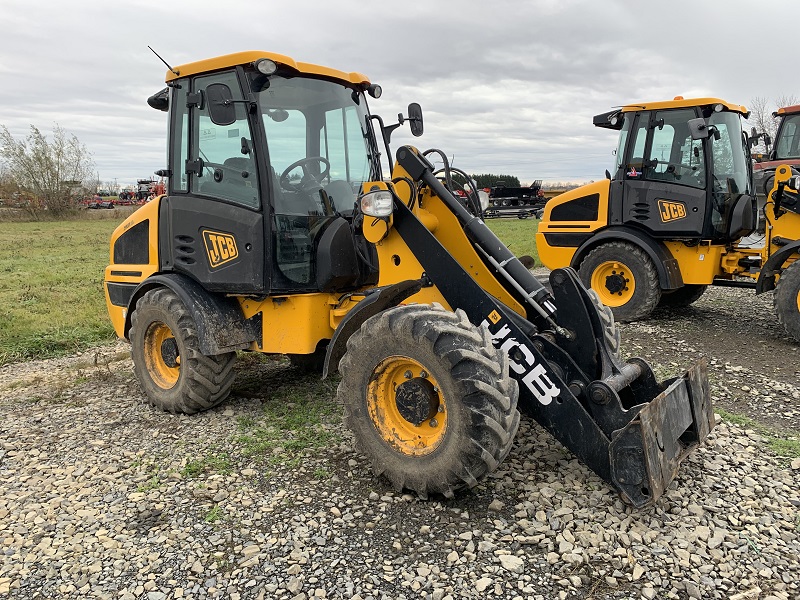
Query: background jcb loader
[785,149]
[278,234]
[670,219]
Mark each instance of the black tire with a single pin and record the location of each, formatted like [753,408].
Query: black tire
[683,296]
[610,329]
[624,278]
[173,373]
[471,398]
[787,300]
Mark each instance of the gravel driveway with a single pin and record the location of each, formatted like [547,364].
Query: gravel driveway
[102,496]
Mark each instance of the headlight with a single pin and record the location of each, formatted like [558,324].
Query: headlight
[266,66]
[377,204]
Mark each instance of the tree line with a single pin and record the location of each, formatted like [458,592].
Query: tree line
[41,174]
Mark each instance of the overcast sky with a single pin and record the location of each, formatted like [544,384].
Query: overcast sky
[505,87]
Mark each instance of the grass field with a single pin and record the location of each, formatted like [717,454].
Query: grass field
[51,274]
[51,298]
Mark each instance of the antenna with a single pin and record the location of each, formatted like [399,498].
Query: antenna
[163,61]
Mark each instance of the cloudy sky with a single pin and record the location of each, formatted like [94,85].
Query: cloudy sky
[506,86]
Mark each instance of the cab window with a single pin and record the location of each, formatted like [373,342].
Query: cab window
[226,151]
[674,157]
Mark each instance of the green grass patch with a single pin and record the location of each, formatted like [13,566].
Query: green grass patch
[51,295]
[785,447]
[298,414]
[518,234]
[217,462]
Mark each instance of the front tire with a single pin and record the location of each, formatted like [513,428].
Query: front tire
[173,373]
[787,300]
[624,278]
[428,398]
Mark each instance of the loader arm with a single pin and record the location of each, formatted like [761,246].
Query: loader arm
[628,428]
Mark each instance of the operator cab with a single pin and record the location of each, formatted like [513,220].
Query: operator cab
[682,169]
[267,158]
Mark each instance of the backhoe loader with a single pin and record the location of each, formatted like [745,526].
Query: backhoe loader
[670,219]
[279,234]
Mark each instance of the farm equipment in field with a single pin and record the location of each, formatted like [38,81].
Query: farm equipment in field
[672,217]
[440,334]
[520,202]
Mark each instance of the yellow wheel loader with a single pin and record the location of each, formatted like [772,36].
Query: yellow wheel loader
[278,233]
[671,217]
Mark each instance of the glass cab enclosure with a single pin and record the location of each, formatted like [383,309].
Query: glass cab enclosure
[275,159]
[674,183]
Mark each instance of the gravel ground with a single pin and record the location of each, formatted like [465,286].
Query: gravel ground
[98,500]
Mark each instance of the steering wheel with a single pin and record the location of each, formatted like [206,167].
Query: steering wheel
[677,167]
[304,163]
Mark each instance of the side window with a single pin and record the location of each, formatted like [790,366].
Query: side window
[229,170]
[789,142]
[180,139]
[674,156]
[635,164]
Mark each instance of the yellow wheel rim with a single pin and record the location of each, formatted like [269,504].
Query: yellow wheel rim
[614,283]
[161,355]
[406,406]
[798,302]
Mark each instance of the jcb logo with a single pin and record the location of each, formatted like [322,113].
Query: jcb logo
[671,211]
[220,247]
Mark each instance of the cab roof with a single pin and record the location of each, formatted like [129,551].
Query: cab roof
[248,57]
[681,102]
[787,110]
[608,120]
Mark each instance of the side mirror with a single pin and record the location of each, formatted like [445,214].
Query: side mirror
[221,108]
[415,119]
[698,128]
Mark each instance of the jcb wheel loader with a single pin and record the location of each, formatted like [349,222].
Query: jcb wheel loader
[670,220]
[785,149]
[279,234]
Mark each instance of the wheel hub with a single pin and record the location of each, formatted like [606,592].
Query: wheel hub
[169,352]
[417,400]
[615,283]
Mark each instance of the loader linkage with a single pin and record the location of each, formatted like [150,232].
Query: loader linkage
[614,415]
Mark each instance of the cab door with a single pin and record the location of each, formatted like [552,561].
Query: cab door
[664,176]
[214,211]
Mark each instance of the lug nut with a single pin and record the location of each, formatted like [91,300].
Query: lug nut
[423,374]
[408,374]
[433,423]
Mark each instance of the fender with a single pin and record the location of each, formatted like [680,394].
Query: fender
[669,273]
[221,326]
[766,278]
[378,300]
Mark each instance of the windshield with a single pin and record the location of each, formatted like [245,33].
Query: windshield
[729,155]
[729,166]
[321,150]
[322,123]
[788,144]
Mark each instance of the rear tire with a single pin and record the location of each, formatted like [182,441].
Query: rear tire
[173,373]
[624,278]
[787,300]
[428,398]
[683,296]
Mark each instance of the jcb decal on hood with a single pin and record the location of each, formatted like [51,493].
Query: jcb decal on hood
[671,211]
[533,375]
[220,247]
